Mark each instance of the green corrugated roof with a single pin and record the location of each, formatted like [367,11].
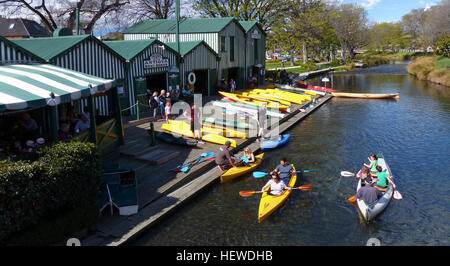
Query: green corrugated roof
[48,48]
[247,25]
[187,47]
[192,25]
[129,49]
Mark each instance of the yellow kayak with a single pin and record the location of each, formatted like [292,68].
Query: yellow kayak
[265,97]
[185,130]
[271,95]
[271,105]
[211,129]
[241,170]
[294,95]
[270,203]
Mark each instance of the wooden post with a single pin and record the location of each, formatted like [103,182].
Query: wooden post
[53,123]
[115,103]
[92,129]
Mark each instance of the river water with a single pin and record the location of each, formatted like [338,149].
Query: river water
[413,134]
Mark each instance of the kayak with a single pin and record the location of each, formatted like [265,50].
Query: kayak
[241,170]
[246,108]
[227,123]
[209,129]
[319,88]
[370,211]
[169,138]
[271,105]
[366,95]
[265,97]
[181,129]
[291,95]
[301,90]
[269,203]
[275,142]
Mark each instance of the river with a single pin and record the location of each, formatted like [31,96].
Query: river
[413,134]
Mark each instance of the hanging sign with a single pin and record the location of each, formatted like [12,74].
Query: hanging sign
[156,60]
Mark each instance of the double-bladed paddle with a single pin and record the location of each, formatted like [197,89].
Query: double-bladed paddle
[249,193]
[203,155]
[257,174]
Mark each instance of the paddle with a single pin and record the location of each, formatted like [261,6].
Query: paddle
[347,174]
[257,174]
[245,159]
[203,155]
[249,193]
[186,168]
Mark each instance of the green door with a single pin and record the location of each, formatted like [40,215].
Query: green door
[213,81]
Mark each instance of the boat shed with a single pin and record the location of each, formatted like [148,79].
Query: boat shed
[255,60]
[82,53]
[11,53]
[148,65]
[198,67]
[224,35]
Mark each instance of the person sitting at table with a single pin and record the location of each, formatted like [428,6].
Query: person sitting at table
[64,132]
[30,125]
[82,125]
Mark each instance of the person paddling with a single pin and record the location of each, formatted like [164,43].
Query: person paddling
[368,193]
[284,170]
[276,185]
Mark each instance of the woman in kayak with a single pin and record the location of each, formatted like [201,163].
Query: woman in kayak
[276,185]
[250,156]
[373,163]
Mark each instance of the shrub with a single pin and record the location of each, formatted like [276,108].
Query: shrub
[64,177]
[443,46]
[421,67]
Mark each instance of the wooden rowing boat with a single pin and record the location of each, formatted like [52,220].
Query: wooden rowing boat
[366,95]
[270,203]
[370,211]
[241,170]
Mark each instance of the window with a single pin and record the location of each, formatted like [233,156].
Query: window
[232,48]
[222,43]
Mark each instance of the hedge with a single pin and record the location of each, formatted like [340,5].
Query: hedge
[64,177]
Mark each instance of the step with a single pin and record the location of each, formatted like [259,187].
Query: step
[137,150]
[159,156]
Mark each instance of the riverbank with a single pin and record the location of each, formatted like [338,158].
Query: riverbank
[435,69]
[375,58]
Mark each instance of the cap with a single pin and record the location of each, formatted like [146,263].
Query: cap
[40,141]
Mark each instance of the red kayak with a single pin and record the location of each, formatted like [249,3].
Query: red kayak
[302,85]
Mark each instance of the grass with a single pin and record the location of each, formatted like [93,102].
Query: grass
[432,68]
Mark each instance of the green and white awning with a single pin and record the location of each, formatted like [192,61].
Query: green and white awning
[24,86]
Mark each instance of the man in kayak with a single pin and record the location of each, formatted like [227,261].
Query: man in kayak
[223,157]
[276,185]
[368,193]
[284,170]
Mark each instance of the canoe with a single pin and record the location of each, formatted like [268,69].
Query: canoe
[366,95]
[246,108]
[272,105]
[227,123]
[275,142]
[209,129]
[241,170]
[269,203]
[170,138]
[181,129]
[370,211]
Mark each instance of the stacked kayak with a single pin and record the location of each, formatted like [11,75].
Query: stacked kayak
[271,105]
[366,95]
[227,123]
[184,129]
[241,170]
[210,129]
[270,203]
[319,88]
[246,108]
[170,138]
[275,142]
[264,97]
[371,210]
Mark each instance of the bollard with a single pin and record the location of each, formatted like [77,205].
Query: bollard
[137,109]
[152,135]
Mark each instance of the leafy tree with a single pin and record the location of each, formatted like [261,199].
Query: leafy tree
[443,46]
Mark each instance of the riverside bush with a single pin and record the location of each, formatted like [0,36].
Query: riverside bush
[64,177]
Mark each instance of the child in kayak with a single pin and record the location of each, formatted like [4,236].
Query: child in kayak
[276,185]
[250,156]
[381,180]
[373,163]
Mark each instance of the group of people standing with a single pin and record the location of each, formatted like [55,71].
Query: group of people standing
[162,103]
[223,85]
[284,77]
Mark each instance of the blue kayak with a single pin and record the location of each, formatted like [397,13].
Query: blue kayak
[275,142]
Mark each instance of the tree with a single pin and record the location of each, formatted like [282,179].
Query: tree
[350,26]
[266,12]
[62,13]
[443,46]
[151,9]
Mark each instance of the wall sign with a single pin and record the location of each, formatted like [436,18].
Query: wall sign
[156,60]
[256,35]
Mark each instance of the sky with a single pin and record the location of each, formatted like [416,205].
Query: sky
[391,10]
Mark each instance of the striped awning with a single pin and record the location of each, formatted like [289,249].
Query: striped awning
[24,86]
